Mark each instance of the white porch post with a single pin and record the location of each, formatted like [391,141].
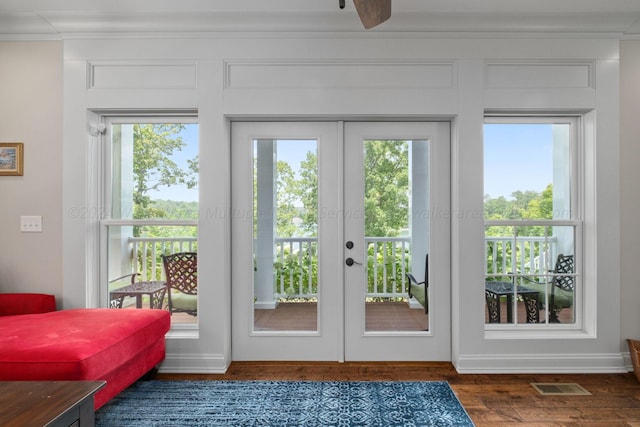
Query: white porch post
[120,260]
[419,211]
[561,190]
[266,211]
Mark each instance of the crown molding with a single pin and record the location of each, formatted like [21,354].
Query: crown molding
[89,24]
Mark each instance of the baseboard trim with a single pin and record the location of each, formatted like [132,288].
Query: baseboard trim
[465,364]
[541,363]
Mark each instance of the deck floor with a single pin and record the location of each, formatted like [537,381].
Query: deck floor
[302,316]
[380,316]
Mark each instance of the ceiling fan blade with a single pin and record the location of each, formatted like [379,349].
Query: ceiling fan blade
[373,12]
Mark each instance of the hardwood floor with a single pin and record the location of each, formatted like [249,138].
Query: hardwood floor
[490,400]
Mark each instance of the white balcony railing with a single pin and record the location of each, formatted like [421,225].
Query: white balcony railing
[387,264]
[295,267]
[388,261]
[527,254]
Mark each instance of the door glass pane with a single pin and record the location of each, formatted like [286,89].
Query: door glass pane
[154,175]
[285,248]
[396,182]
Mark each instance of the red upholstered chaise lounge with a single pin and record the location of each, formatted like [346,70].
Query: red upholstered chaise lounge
[117,346]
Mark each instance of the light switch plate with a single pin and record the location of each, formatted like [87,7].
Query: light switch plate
[31,224]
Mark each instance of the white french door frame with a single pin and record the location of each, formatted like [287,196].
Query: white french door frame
[433,344]
[333,340]
[326,342]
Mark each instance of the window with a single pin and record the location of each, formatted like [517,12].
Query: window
[151,195]
[532,212]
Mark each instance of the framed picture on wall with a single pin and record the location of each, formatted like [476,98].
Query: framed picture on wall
[11,158]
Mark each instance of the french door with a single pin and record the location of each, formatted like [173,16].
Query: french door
[328,219]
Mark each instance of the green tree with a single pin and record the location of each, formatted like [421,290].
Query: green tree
[286,199]
[496,208]
[153,166]
[172,209]
[386,168]
[541,206]
[521,200]
[306,189]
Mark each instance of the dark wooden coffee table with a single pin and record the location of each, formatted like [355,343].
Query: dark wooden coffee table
[48,403]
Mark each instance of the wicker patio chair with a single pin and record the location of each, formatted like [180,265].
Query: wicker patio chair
[181,271]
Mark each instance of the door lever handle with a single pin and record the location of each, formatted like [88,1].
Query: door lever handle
[351,261]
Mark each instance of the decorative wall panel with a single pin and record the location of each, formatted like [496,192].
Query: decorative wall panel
[142,75]
[334,74]
[539,75]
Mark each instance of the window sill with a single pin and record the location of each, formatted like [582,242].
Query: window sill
[549,332]
[183,332]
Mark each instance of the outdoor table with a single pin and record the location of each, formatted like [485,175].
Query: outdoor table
[156,291]
[495,290]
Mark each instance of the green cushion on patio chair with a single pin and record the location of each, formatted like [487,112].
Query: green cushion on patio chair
[561,298]
[418,290]
[560,290]
[184,303]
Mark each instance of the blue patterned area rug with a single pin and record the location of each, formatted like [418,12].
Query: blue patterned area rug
[284,403]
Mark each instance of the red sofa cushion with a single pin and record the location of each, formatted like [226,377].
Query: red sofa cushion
[76,344]
[11,304]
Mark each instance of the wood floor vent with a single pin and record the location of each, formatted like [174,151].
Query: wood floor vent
[557,389]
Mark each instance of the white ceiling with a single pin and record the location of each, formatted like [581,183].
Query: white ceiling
[69,18]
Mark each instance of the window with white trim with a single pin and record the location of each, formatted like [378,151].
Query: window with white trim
[533,222]
[150,183]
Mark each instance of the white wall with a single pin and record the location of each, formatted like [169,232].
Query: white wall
[31,113]
[629,193]
[226,86]
[356,76]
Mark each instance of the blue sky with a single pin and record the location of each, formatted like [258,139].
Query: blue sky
[517,157]
[295,151]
